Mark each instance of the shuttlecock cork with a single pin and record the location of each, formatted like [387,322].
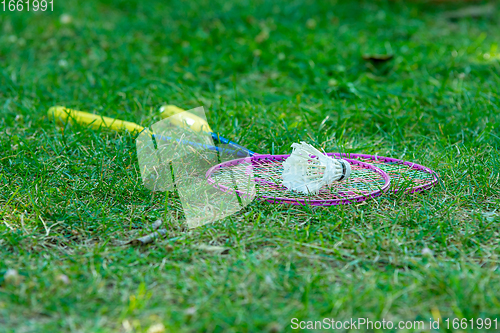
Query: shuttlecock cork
[307,169]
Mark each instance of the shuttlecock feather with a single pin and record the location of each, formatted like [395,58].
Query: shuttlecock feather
[307,169]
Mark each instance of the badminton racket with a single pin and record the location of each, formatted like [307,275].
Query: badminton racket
[267,164]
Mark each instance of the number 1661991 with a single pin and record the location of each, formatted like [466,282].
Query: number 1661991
[27,5]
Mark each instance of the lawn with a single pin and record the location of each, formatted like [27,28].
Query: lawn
[269,73]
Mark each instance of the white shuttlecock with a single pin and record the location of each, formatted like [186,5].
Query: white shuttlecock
[307,169]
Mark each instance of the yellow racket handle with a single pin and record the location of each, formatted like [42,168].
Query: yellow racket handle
[182,118]
[63,114]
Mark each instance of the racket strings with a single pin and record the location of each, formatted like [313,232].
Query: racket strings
[266,175]
[399,171]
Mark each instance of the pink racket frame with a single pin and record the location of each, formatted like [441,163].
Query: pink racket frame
[297,201]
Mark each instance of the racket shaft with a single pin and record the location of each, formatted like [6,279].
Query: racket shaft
[244,151]
[237,151]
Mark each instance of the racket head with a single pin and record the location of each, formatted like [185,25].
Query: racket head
[405,176]
[264,171]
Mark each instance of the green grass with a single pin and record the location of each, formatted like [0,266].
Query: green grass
[269,74]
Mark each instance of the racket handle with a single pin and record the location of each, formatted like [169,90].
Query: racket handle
[61,114]
[182,118]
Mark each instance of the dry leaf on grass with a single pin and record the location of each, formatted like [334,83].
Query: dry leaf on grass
[472,11]
[378,58]
[63,278]
[12,277]
[149,238]
[213,249]
[157,224]
[157,328]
